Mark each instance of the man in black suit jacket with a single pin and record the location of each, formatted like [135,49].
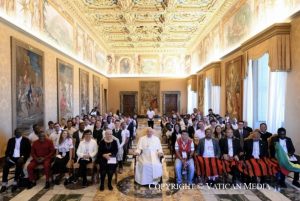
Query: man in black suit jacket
[230,151]
[287,145]
[77,136]
[17,152]
[249,129]
[241,133]
[130,128]
[256,148]
[264,134]
[249,144]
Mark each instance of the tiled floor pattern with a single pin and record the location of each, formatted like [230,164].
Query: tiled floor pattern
[133,193]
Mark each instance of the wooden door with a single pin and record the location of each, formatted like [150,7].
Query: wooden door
[171,103]
[128,104]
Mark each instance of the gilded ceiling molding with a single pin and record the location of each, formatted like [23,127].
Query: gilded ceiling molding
[276,42]
[150,25]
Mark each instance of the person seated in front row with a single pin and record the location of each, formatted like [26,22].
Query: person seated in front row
[255,155]
[148,167]
[86,153]
[16,154]
[208,154]
[287,145]
[64,153]
[107,153]
[230,151]
[184,162]
[42,152]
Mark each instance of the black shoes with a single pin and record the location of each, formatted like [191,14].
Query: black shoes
[282,184]
[67,181]
[84,183]
[296,183]
[3,189]
[102,188]
[57,181]
[31,184]
[14,188]
[110,187]
[47,185]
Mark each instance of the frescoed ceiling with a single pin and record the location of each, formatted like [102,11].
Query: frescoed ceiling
[148,26]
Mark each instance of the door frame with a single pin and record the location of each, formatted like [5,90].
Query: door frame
[135,93]
[164,93]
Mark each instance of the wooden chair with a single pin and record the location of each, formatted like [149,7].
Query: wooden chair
[90,167]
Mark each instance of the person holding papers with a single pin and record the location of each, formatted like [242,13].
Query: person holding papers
[148,167]
[86,152]
[108,149]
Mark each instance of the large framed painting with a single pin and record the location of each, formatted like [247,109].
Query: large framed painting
[96,92]
[64,89]
[83,92]
[234,87]
[27,86]
[150,96]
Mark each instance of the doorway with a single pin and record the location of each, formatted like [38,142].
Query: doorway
[128,102]
[171,102]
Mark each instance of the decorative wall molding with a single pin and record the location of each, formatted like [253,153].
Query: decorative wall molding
[276,42]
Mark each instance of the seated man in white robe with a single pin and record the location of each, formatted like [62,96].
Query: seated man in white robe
[148,167]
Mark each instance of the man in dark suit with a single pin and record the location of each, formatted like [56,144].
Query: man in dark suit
[208,152]
[17,153]
[287,145]
[130,128]
[77,136]
[249,129]
[255,150]
[230,151]
[264,134]
[241,133]
[192,128]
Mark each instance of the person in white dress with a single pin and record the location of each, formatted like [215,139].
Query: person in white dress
[148,168]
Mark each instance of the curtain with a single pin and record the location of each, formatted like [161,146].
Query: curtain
[207,96]
[212,97]
[215,99]
[276,105]
[192,99]
[248,96]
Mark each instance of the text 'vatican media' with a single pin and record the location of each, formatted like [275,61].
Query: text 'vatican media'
[242,186]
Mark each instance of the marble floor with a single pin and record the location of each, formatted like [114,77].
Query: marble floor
[126,190]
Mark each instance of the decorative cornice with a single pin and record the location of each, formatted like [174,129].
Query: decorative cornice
[276,29]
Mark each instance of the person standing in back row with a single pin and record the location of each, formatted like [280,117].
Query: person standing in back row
[150,116]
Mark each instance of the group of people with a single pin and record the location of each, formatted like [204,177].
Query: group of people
[210,147]
[206,147]
[72,147]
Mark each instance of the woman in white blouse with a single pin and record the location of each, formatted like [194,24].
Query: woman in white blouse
[64,152]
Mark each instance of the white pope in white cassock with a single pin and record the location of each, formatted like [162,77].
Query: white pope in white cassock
[148,166]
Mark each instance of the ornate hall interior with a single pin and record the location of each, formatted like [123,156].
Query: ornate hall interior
[133,65]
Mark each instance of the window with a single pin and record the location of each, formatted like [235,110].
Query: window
[192,99]
[261,88]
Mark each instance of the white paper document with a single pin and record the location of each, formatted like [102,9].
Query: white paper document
[112,160]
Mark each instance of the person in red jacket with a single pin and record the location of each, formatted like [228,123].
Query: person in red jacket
[42,152]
